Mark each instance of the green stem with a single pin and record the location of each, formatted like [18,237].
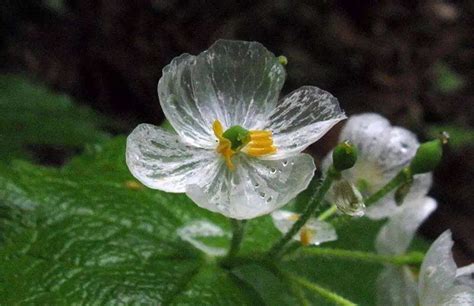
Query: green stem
[325,293]
[328,213]
[313,204]
[413,258]
[237,236]
[402,177]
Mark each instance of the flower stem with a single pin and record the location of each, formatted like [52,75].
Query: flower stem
[413,258]
[402,177]
[327,213]
[314,202]
[237,235]
[325,293]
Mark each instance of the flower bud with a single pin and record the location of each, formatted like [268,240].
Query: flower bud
[428,155]
[344,156]
[283,60]
[347,198]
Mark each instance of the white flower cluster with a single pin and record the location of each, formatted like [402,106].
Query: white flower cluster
[236,150]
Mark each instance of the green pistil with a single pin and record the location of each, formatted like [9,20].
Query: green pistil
[238,137]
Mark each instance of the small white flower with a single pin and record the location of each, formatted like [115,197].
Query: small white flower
[383,150]
[314,232]
[439,282]
[237,150]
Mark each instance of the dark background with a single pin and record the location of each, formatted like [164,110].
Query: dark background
[411,61]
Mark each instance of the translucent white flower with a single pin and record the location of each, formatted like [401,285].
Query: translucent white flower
[314,232]
[383,150]
[237,150]
[439,282]
[397,285]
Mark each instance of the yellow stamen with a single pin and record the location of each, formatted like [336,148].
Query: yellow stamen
[224,146]
[261,143]
[306,236]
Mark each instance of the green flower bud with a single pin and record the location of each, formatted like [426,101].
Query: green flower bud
[428,155]
[344,156]
[283,60]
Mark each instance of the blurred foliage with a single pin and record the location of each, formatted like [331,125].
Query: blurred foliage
[447,81]
[459,137]
[35,121]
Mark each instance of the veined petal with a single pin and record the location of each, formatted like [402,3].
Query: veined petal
[159,160]
[235,82]
[396,235]
[367,132]
[314,232]
[301,118]
[383,147]
[256,187]
[396,286]
[438,271]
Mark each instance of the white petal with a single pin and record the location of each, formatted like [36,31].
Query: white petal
[396,286]
[396,235]
[256,187]
[301,118]
[199,229]
[465,275]
[319,231]
[438,270]
[235,82]
[367,132]
[456,296]
[159,160]
[383,150]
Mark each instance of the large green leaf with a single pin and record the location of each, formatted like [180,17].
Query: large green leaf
[89,233]
[33,118]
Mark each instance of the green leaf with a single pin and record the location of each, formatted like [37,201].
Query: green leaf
[34,118]
[89,233]
[447,80]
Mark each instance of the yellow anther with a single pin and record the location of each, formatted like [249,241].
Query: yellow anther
[306,236]
[236,138]
[261,143]
[224,146]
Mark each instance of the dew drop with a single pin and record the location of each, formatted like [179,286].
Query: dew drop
[284,163]
[270,198]
[262,195]
[256,185]
[273,170]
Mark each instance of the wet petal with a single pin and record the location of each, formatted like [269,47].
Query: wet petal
[437,276]
[383,150]
[396,286]
[256,187]
[235,82]
[396,235]
[159,160]
[314,232]
[301,118]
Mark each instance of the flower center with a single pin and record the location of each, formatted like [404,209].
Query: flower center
[235,139]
